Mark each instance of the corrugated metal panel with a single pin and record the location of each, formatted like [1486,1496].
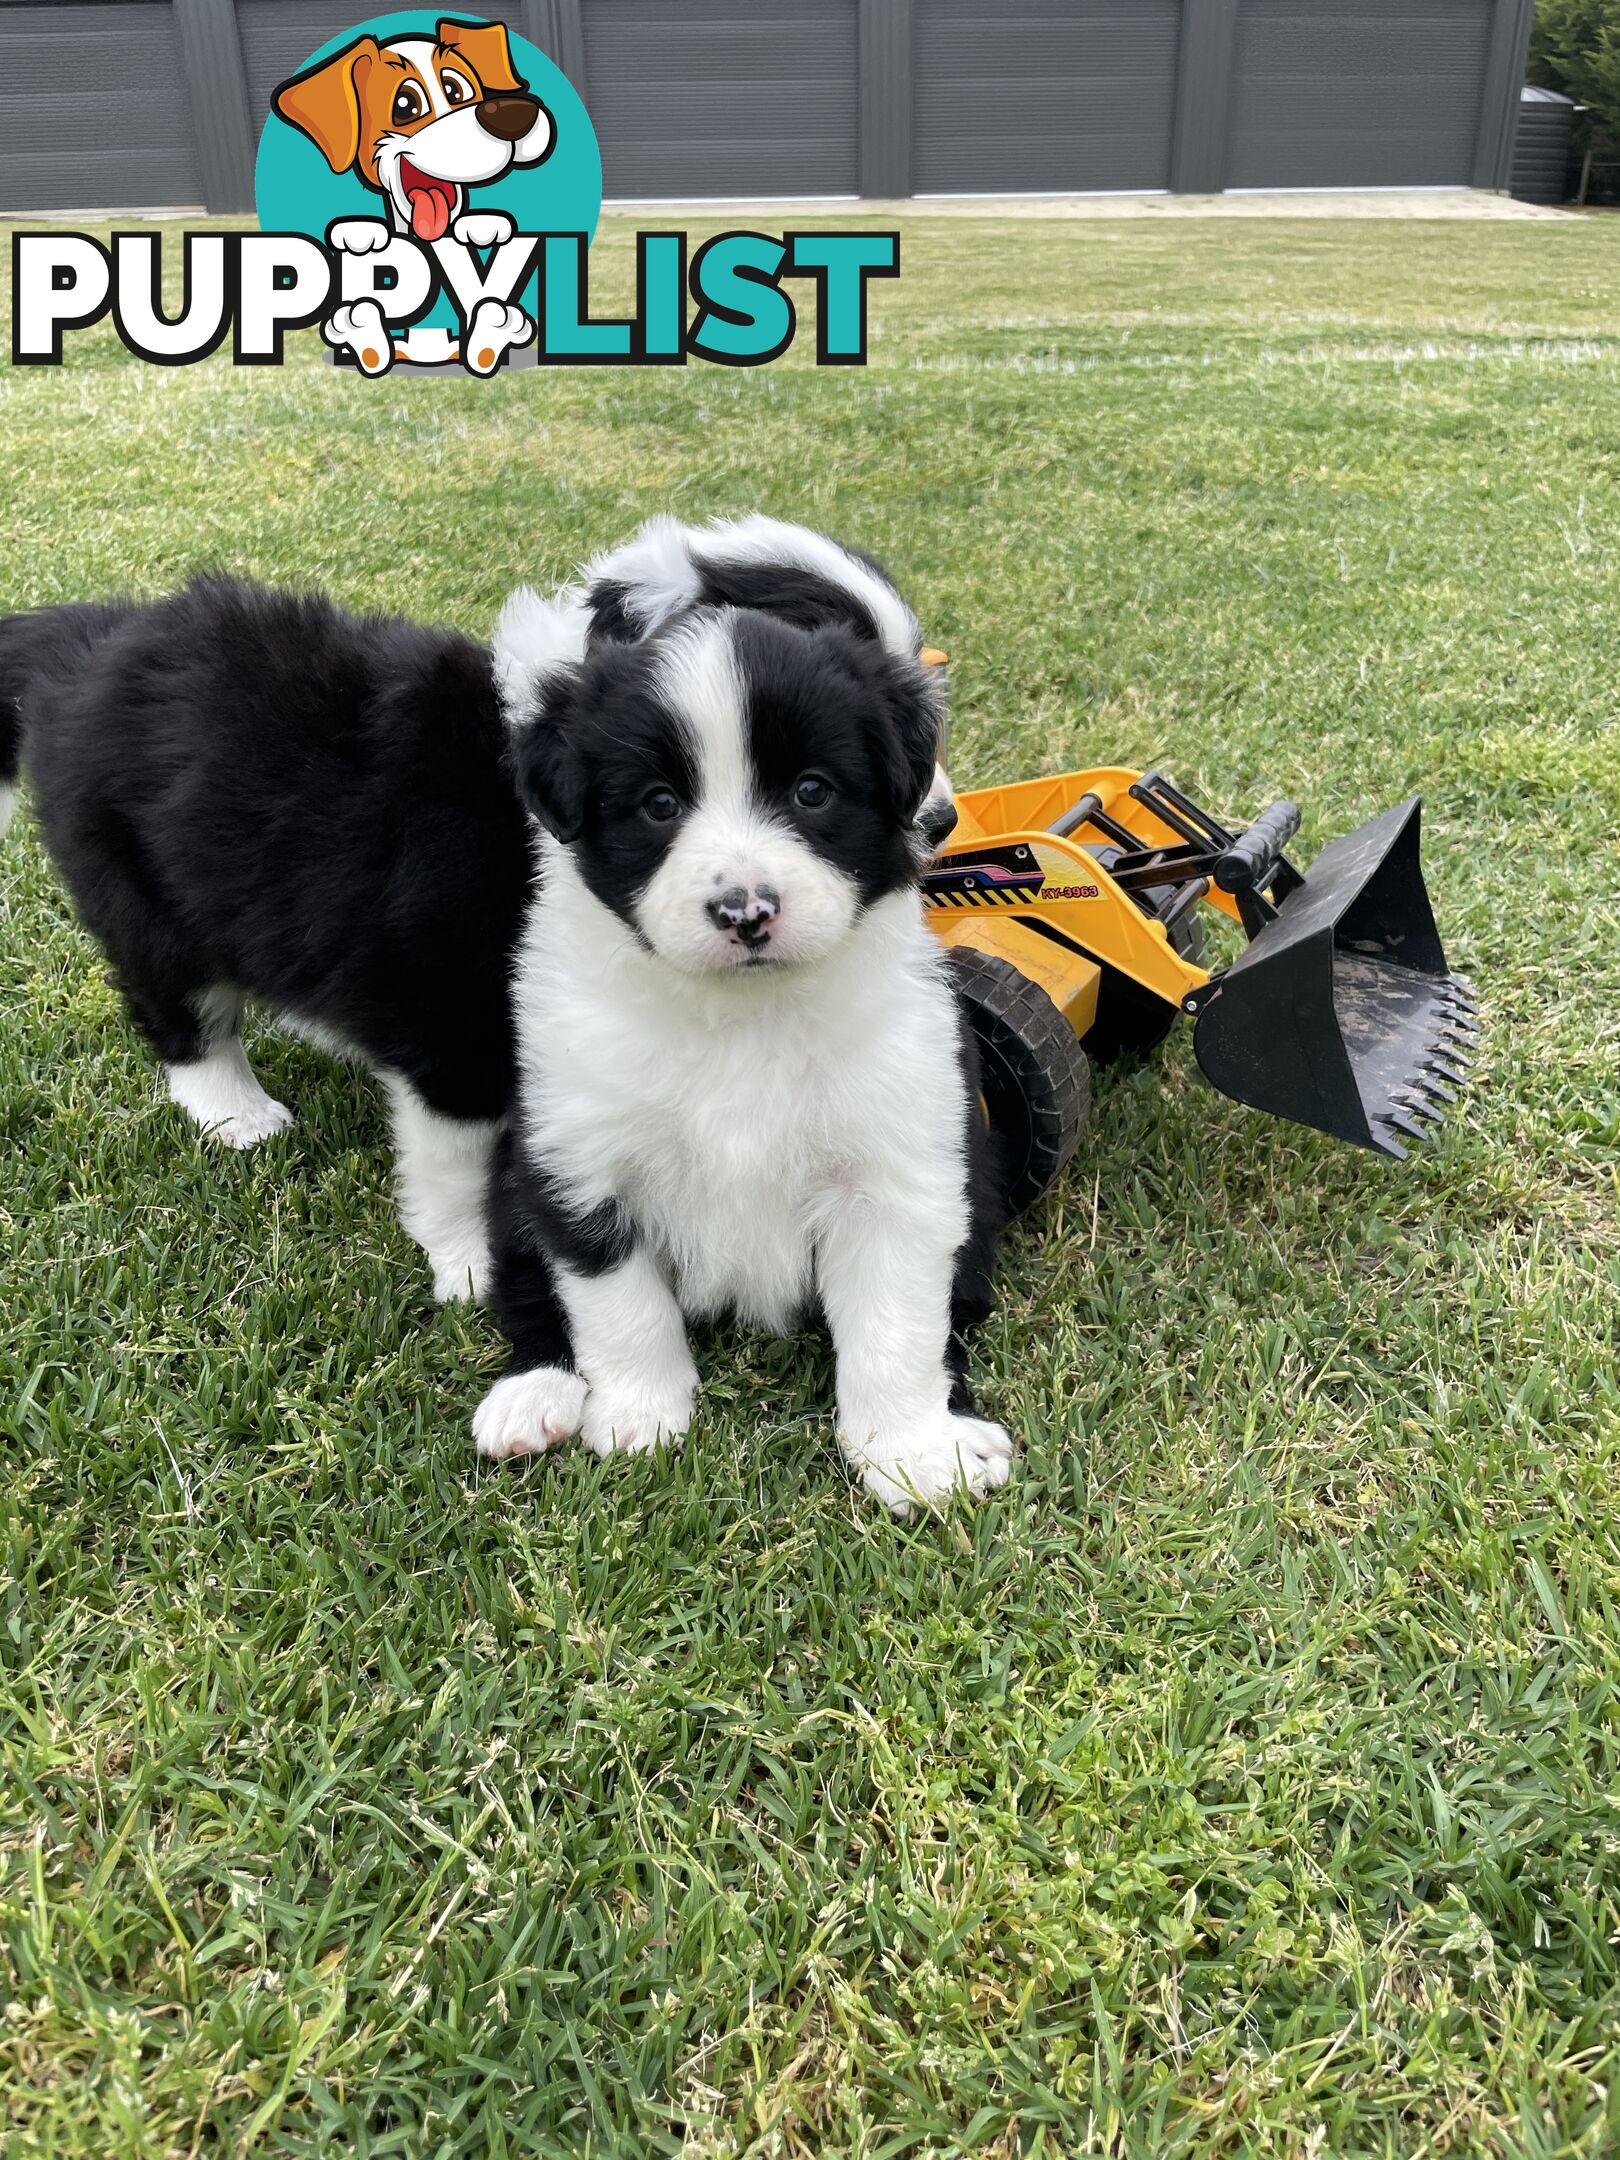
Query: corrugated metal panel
[1042,94]
[93,110]
[1541,149]
[1357,93]
[278,36]
[723,97]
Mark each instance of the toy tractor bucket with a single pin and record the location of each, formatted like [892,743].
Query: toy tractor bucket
[1341,1013]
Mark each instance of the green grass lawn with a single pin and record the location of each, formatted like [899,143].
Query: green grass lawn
[1245,1778]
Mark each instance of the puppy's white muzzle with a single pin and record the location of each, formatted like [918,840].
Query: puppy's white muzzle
[744,893]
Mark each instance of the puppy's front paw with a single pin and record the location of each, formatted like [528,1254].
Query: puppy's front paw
[362,329]
[629,1421]
[528,1413]
[482,228]
[923,1465]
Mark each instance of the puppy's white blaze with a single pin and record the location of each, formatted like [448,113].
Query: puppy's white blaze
[533,637]
[660,568]
[729,840]
[657,569]
[697,677]
[940,796]
[766,539]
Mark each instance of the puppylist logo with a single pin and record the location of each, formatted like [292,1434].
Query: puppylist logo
[428,187]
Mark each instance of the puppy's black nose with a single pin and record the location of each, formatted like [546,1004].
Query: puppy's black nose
[937,821]
[508,118]
[748,915]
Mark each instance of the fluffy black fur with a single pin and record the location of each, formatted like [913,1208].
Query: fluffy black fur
[785,591]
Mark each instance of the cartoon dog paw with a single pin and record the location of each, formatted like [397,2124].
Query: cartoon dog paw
[361,328]
[482,228]
[359,236]
[494,330]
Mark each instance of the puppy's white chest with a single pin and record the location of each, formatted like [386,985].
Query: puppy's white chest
[726,1158]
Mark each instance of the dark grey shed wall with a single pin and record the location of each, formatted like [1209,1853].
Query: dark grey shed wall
[65,138]
[723,97]
[1369,93]
[818,97]
[1042,95]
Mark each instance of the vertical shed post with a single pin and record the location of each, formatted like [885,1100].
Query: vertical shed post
[1204,63]
[883,130]
[221,116]
[1499,97]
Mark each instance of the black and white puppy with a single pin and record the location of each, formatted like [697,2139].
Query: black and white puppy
[744,1080]
[253,794]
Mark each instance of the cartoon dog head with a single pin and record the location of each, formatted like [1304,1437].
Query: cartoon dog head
[420,119]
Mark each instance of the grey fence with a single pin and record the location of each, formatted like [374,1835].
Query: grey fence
[124,104]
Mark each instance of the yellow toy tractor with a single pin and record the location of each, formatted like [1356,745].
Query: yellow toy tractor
[1071,909]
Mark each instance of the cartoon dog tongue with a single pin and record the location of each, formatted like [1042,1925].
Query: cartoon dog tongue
[431,201]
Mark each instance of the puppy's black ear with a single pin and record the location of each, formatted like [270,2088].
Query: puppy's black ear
[537,652]
[914,715]
[550,772]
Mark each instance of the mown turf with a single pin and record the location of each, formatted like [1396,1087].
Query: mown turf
[1246,1777]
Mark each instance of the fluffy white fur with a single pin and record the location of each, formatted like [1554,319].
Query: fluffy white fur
[220,1093]
[533,637]
[8,805]
[529,1413]
[220,1090]
[441,1172]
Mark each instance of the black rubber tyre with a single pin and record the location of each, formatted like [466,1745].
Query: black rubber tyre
[1131,1020]
[1035,1076]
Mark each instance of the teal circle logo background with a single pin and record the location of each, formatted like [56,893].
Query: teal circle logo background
[295,190]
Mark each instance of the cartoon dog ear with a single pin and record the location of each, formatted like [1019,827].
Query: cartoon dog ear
[324,102]
[486,47]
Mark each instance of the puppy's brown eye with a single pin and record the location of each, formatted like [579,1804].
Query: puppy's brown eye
[456,92]
[408,105]
[661,805]
[812,792]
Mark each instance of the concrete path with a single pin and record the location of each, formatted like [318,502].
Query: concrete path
[1412,203]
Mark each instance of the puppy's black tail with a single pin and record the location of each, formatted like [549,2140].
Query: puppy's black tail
[47,643]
